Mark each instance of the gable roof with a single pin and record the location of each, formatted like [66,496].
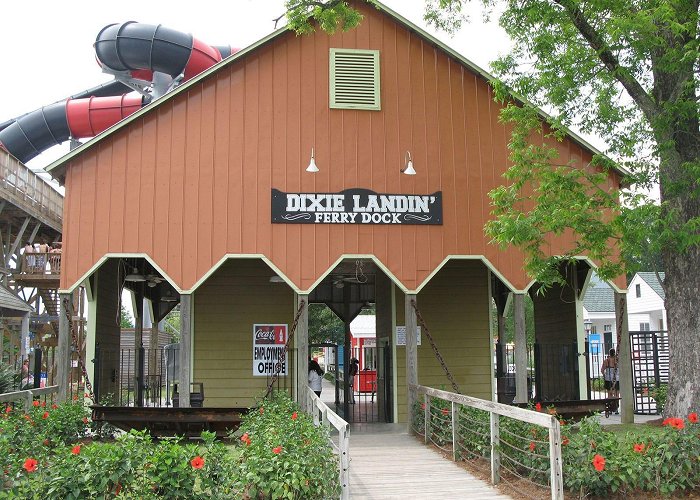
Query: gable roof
[57,168]
[651,280]
[9,302]
[599,299]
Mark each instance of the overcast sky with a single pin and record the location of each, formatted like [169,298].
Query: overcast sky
[47,54]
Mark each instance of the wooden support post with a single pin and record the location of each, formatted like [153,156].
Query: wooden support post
[185,347]
[138,348]
[521,389]
[624,359]
[302,341]
[411,355]
[495,453]
[455,433]
[344,450]
[24,334]
[556,475]
[65,317]
[426,418]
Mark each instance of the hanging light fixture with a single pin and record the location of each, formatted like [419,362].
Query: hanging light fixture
[168,297]
[312,164]
[135,276]
[408,169]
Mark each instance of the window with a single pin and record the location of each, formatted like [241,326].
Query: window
[369,358]
[638,290]
[607,328]
[644,327]
[354,79]
[661,324]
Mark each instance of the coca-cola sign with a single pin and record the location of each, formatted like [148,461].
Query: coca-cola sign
[269,350]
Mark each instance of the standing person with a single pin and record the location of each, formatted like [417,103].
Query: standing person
[55,258]
[352,371]
[29,258]
[611,376]
[41,259]
[315,376]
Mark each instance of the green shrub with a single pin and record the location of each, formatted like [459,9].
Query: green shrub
[283,455]
[659,394]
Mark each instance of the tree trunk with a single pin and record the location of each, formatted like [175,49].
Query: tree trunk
[682,284]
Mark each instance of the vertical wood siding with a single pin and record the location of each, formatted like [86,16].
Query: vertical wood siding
[190,181]
[226,306]
[455,307]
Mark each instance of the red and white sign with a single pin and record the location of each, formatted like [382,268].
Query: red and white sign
[268,350]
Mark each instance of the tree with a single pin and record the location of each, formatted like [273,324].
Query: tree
[325,326]
[125,318]
[626,71]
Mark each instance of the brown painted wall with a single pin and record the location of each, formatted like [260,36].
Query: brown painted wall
[190,181]
[228,304]
[455,307]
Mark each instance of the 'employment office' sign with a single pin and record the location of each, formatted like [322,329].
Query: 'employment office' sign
[268,350]
[356,206]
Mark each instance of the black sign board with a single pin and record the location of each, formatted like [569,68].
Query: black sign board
[356,206]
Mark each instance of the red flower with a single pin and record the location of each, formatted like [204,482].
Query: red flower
[693,418]
[277,450]
[76,450]
[45,415]
[85,420]
[54,406]
[599,462]
[8,409]
[35,403]
[46,442]
[538,407]
[262,410]
[445,411]
[562,422]
[552,411]
[638,448]
[30,465]
[422,406]
[294,416]
[565,440]
[75,398]
[676,423]
[532,446]
[43,404]
[197,462]
[246,439]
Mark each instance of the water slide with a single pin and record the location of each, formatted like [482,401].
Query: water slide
[146,60]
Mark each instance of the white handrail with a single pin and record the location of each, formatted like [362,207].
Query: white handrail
[495,409]
[323,415]
[28,395]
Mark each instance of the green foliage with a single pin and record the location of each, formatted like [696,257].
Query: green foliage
[325,326]
[9,378]
[171,324]
[125,318]
[304,15]
[136,466]
[283,455]
[659,394]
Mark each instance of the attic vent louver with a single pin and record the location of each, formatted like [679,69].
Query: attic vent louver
[354,79]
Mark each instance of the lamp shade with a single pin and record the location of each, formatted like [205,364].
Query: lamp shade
[135,276]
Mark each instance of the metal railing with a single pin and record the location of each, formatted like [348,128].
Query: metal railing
[453,420]
[323,415]
[29,191]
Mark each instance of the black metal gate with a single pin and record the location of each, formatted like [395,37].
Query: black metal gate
[650,361]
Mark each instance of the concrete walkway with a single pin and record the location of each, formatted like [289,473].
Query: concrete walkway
[385,462]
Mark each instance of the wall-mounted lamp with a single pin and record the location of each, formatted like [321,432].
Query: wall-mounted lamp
[276,279]
[408,169]
[312,164]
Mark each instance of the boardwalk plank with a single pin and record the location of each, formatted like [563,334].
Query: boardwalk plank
[387,463]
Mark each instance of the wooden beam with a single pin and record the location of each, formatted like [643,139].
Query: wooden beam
[14,246]
[624,359]
[521,392]
[185,347]
[64,340]
[138,345]
[302,342]
[411,354]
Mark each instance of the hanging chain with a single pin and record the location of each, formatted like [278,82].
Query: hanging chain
[286,348]
[435,349]
[81,363]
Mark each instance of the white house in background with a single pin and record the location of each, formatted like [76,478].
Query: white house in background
[645,306]
[645,303]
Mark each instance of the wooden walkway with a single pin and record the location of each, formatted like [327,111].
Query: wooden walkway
[385,462]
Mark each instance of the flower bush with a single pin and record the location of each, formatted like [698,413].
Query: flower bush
[281,454]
